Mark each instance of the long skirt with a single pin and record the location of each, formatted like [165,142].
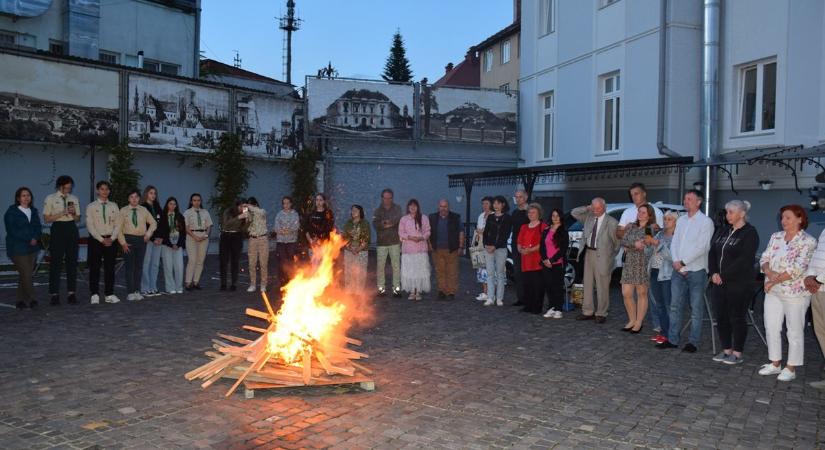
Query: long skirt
[415,272]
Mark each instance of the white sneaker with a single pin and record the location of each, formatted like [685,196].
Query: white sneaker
[263,288]
[130,297]
[786,375]
[112,299]
[136,296]
[482,297]
[251,288]
[557,314]
[549,314]
[499,303]
[489,302]
[769,369]
[95,299]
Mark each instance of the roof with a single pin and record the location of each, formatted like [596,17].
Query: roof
[212,67]
[505,32]
[466,73]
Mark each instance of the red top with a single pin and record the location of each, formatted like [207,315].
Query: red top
[530,237]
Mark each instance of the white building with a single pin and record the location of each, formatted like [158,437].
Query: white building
[590,94]
[166,32]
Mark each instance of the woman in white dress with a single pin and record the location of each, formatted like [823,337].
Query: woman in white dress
[414,231]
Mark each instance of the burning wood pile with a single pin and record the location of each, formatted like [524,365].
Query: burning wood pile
[303,344]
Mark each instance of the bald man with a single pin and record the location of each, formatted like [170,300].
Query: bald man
[446,244]
[599,245]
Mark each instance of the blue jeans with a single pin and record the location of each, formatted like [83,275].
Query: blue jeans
[659,302]
[687,288]
[151,267]
[496,274]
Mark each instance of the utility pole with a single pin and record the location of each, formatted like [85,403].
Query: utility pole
[288,23]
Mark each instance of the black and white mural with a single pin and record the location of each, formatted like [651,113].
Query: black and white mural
[82,108]
[360,109]
[472,115]
[269,125]
[167,114]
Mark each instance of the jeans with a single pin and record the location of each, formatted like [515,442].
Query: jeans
[553,282]
[134,262]
[394,252]
[230,248]
[684,288]
[151,267]
[496,274]
[730,306]
[660,307]
[172,268]
[286,252]
[98,252]
[63,247]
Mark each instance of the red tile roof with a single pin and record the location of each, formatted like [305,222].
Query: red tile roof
[466,73]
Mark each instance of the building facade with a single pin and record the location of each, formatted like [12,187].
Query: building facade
[618,80]
[134,33]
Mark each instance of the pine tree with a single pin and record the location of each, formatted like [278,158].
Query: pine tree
[122,173]
[397,67]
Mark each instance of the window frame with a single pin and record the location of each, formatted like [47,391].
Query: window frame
[53,43]
[614,96]
[488,60]
[759,100]
[114,55]
[505,45]
[547,154]
[547,8]
[8,35]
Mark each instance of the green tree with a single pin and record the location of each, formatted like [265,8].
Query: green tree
[397,67]
[304,170]
[122,173]
[231,174]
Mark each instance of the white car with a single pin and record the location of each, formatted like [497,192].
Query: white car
[615,210]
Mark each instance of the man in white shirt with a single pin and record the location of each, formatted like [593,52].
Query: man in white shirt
[638,194]
[689,248]
[814,279]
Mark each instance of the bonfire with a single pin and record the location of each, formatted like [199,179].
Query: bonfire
[303,344]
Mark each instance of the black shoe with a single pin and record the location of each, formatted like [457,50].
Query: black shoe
[451,296]
[188,287]
[21,305]
[442,295]
[72,299]
[396,293]
[665,345]
[585,317]
[627,329]
[33,304]
[601,319]
[637,331]
[222,288]
[54,300]
[233,288]
[381,292]
[197,287]
[517,304]
[689,348]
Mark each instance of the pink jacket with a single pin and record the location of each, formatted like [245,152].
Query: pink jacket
[407,228]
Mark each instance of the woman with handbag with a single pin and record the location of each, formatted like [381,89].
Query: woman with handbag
[477,252]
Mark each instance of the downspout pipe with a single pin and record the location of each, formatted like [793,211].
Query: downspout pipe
[663,149]
[710,92]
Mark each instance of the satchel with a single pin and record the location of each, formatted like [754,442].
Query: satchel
[478,254]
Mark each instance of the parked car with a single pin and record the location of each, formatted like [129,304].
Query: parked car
[575,230]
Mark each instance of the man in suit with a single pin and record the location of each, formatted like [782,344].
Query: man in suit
[600,244]
[446,245]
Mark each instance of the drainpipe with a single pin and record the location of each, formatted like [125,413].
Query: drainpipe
[196,64]
[660,117]
[710,89]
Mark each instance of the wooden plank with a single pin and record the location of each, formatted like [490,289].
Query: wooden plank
[245,374]
[258,314]
[268,306]
[361,368]
[192,374]
[307,367]
[255,329]
[235,339]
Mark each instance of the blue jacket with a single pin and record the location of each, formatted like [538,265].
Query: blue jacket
[19,231]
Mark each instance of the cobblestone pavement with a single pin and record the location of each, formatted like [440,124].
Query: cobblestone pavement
[449,374]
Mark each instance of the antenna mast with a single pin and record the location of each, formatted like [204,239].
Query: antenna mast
[288,23]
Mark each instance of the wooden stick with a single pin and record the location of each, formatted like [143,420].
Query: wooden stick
[255,329]
[240,379]
[268,306]
[307,367]
[258,314]
[361,368]
[234,339]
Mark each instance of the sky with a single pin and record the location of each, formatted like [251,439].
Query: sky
[355,35]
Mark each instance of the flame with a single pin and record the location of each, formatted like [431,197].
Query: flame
[308,318]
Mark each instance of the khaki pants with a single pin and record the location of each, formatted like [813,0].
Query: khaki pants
[592,278]
[196,253]
[818,311]
[394,252]
[446,270]
[258,252]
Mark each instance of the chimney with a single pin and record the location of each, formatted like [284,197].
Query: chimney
[516,11]
[140,59]
[448,68]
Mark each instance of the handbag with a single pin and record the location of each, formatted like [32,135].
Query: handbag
[478,254]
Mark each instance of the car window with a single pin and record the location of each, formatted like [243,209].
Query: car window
[576,226]
[617,214]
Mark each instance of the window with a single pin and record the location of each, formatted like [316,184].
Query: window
[547,11]
[109,57]
[757,93]
[505,52]
[169,69]
[549,109]
[7,39]
[504,87]
[488,60]
[157,66]
[611,111]
[57,47]
[151,66]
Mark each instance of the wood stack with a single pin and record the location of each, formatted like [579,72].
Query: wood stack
[251,363]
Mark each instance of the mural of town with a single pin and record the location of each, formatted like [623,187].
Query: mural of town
[170,115]
[360,109]
[83,110]
[269,125]
[471,115]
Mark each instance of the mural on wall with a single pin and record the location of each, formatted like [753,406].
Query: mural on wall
[82,108]
[172,115]
[269,125]
[360,109]
[471,115]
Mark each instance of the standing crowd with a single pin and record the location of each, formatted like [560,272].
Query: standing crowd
[669,261]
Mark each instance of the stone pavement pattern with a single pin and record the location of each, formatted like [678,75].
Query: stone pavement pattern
[448,375]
